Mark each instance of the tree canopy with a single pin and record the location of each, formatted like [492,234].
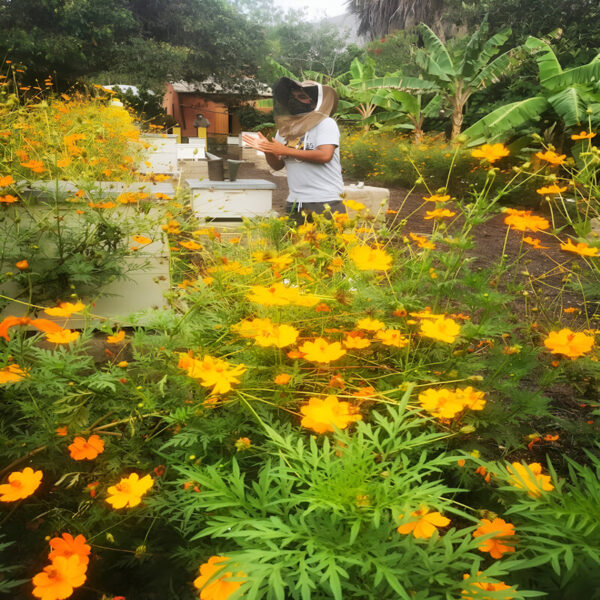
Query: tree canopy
[130,41]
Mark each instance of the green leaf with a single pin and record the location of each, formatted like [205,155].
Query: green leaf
[569,106]
[505,118]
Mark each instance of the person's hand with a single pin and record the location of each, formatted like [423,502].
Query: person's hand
[252,139]
[261,143]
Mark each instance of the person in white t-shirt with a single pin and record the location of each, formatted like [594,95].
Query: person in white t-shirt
[307,144]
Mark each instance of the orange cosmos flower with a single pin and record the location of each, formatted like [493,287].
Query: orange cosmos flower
[436,198]
[522,220]
[392,337]
[422,241]
[116,338]
[323,414]
[491,152]
[81,449]
[569,343]
[441,329]
[370,324]
[142,239]
[355,341]
[62,431]
[217,588]
[441,403]
[584,135]
[129,491]
[535,242]
[8,199]
[282,379]
[65,309]
[6,180]
[496,545]
[11,374]
[242,444]
[322,351]
[21,484]
[67,546]
[22,265]
[370,259]
[474,593]
[439,213]
[551,189]
[529,478]
[581,248]
[57,580]
[64,336]
[191,245]
[552,157]
[37,166]
[424,524]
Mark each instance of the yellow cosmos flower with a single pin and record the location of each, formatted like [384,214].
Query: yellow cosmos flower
[370,324]
[323,414]
[116,338]
[322,351]
[444,403]
[212,372]
[355,341]
[353,205]
[129,491]
[64,336]
[569,343]
[370,259]
[551,190]
[523,220]
[439,213]
[424,523]
[437,198]
[529,478]
[65,309]
[441,329]
[552,157]
[142,239]
[491,152]
[217,588]
[392,337]
[21,484]
[581,248]
[11,374]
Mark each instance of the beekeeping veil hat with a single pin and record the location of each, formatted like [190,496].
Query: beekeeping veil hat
[299,106]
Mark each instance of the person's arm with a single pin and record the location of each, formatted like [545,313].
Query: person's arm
[320,155]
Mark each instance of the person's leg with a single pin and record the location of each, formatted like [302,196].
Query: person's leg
[318,208]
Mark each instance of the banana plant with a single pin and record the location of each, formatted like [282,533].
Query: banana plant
[459,74]
[573,94]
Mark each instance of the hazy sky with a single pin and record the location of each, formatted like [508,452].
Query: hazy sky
[316,8]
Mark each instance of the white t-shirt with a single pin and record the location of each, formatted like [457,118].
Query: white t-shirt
[314,182]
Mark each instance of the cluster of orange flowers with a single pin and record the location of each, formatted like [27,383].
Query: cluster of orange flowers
[446,404]
[69,559]
[266,333]
[280,294]
[569,343]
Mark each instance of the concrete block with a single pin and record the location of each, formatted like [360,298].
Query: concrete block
[375,199]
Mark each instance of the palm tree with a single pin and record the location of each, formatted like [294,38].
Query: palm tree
[378,17]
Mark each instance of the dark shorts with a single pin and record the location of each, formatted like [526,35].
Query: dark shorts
[312,208]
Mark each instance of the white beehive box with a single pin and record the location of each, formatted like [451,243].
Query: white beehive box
[162,156]
[231,199]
